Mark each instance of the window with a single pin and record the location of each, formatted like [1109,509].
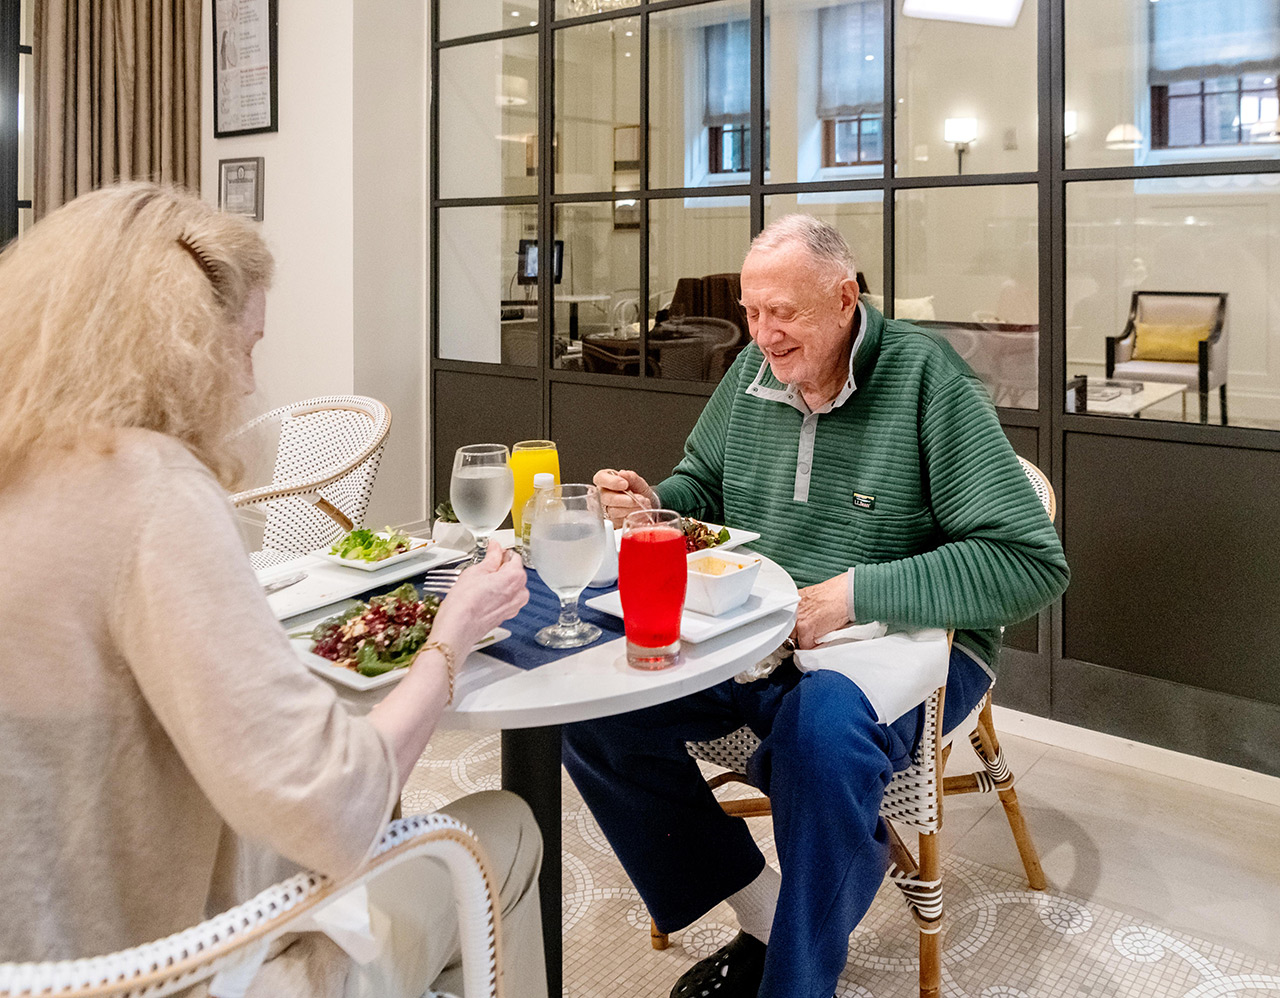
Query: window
[1213,71]
[728,105]
[851,83]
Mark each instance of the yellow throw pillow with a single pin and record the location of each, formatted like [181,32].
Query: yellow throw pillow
[1179,344]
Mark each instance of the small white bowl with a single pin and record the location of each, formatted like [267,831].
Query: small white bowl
[717,594]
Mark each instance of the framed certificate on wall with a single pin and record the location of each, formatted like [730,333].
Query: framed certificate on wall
[240,186]
[245,72]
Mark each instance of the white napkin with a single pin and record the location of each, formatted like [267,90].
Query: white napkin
[896,671]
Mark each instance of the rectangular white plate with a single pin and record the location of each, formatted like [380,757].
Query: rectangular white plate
[418,547]
[736,537]
[351,678]
[695,627]
[328,583]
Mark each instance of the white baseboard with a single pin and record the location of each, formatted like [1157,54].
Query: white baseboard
[1152,759]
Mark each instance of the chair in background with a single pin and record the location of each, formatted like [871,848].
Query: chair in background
[1178,337]
[913,799]
[694,348]
[234,940]
[326,462]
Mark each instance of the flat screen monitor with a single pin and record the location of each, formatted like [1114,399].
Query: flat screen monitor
[527,268]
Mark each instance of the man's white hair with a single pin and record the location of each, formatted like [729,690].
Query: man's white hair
[823,241]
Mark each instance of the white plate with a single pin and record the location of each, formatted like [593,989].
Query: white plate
[736,537]
[418,546]
[351,678]
[327,583]
[695,627]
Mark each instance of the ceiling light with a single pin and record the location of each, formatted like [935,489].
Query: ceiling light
[1069,123]
[1000,13]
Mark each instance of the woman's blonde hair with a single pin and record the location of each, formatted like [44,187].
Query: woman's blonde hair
[121,309]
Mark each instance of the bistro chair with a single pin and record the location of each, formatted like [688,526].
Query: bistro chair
[912,800]
[237,940]
[1177,337]
[327,459]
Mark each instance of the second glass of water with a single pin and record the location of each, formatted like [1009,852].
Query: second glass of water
[567,539]
[481,490]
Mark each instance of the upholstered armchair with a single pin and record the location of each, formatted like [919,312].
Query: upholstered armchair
[1178,337]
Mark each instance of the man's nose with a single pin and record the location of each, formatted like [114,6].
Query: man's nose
[766,330]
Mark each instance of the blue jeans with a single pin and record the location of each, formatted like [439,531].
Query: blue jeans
[824,761]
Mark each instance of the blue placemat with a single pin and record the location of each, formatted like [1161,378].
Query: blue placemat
[543,608]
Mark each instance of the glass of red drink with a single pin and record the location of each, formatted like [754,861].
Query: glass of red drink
[652,575]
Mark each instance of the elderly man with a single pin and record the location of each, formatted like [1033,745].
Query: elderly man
[871,461]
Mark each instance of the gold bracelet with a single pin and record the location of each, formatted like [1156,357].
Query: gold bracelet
[449,661]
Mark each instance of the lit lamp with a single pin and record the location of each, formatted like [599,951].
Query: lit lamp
[960,132]
[512,90]
[1124,137]
[1069,124]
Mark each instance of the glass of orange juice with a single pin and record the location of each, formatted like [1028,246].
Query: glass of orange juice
[529,457]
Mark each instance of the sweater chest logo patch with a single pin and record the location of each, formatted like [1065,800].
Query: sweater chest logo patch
[864,501]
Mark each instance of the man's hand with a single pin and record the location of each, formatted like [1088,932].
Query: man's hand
[623,492]
[823,608]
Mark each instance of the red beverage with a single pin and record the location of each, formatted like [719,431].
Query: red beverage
[652,575]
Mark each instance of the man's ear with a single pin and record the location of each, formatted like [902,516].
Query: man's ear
[848,295]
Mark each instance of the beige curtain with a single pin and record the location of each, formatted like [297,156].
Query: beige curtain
[117,95]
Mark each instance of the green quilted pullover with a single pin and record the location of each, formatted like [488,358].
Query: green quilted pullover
[913,484]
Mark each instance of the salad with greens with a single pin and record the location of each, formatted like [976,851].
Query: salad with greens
[365,545]
[698,536]
[378,636]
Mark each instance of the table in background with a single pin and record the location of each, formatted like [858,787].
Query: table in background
[1132,403]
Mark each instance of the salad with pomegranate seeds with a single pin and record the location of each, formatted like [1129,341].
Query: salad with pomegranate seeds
[698,536]
[378,636]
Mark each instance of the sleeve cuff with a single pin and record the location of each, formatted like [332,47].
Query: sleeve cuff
[849,597]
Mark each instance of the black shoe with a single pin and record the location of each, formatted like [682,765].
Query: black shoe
[732,971]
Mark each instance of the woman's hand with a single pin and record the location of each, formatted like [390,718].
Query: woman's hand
[483,597]
[623,492]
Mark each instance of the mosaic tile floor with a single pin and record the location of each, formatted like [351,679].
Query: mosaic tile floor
[1002,940]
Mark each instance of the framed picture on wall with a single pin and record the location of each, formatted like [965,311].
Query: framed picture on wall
[245,72]
[240,186]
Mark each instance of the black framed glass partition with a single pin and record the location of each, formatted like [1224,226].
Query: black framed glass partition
[1039,183]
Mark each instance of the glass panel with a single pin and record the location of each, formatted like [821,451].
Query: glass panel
[26,219]
[27,15]
[689,101]
[1136,71]
[967,267]
[696,246]
[26,128]
[826,64]
[597,302]
[489,118]
[1206,234]
[477,17]
[598,105]
[859,215]
[581,8]
[957,79]
[488,307]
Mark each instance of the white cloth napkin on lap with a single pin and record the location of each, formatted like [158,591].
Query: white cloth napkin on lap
[897,671]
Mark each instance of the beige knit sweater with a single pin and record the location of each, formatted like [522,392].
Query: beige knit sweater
[150,705]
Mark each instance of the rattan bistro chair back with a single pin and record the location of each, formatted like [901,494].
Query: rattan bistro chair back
[912,800]
[240,937]
[326,462]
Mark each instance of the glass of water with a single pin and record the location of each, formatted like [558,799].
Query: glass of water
[567,539]
[481,491]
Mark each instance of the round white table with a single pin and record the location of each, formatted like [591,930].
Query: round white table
[530,705]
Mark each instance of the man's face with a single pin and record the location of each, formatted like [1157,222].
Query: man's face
[800,314]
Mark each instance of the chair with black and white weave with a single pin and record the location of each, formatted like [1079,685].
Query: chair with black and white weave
[912,800]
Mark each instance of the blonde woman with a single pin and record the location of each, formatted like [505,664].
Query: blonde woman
[152,714]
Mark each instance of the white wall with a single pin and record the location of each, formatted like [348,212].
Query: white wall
[345,216]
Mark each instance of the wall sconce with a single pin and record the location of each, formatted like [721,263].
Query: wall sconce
[1069,123]
[960,132]
[512,90]
[1124,137]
